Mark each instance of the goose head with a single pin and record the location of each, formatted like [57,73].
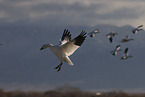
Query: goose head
[45,46]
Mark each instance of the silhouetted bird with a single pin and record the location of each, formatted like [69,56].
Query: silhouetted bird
[92,34]
[126,39]
[110,36]
[116,50]
[136,30]
[126,54]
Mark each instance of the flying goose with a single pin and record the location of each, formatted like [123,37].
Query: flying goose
[126,54]
[92,34]
[116,50]
[66,47]
[136,30]
[110,36]
[126,39]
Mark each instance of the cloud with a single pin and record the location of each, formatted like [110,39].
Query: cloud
[76,12]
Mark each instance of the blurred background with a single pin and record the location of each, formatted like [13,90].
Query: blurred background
[25,25]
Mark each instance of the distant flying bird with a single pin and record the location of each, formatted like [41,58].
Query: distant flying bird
[116,50]
[0,44]
[136,30]
[66,48]
[126,39]
[110,36]
[126,54]
[92,34]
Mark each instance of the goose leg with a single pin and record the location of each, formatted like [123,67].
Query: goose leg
[58,67]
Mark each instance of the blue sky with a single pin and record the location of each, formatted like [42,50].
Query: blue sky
[74,12]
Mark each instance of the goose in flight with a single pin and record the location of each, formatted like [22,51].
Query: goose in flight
[66,47]
[116,50]
[126,39]
[126,54]
[136,30]
[110,36]
[92,34]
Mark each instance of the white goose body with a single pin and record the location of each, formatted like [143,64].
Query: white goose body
[56,50]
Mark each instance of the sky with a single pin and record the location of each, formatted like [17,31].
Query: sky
[28,67]
[74,12]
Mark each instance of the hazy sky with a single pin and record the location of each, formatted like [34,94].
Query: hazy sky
[28,66]
[74,12]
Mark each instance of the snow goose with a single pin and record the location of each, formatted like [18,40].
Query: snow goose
[92,34]
[126,39]
[66,48]
[116,50]
[126,54]
[136,30]
[110,36]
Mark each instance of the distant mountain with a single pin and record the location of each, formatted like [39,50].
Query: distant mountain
[25,67]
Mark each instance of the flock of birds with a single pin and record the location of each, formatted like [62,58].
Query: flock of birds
[118,48]
[67,46]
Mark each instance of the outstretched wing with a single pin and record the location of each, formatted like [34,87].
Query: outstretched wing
[111,39]
[66,37]
[70,47]
[126,52]
[139,29]
[140,26]
[117,47]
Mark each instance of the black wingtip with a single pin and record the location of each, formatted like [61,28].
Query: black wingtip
[126,50]
[118,46]
[67,34]
[111,39]
[83,33]
[41,48]
[80,39]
